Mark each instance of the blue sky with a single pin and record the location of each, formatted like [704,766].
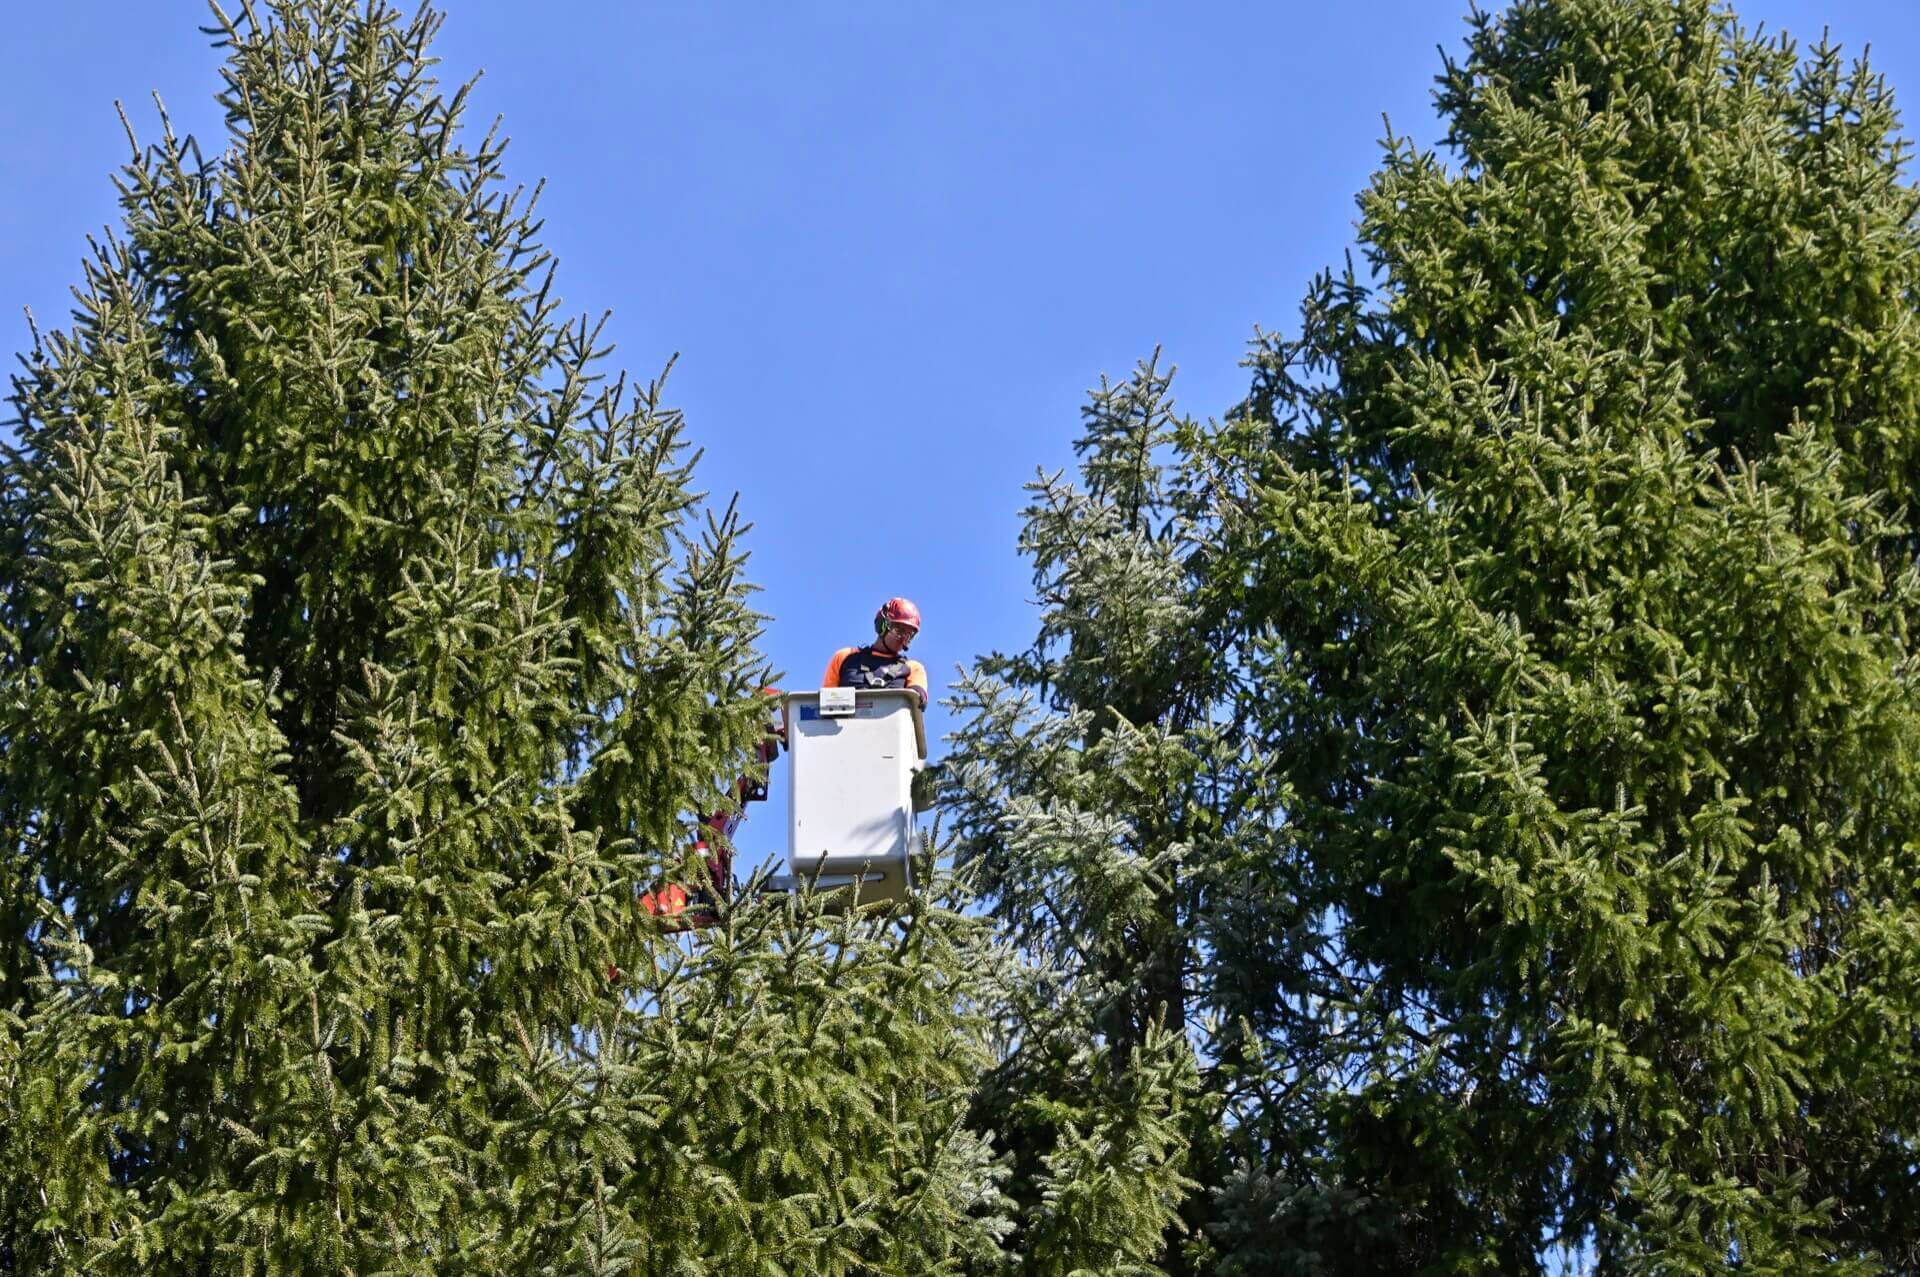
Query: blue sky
[893,244]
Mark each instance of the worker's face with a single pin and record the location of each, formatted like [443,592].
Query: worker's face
[897,638]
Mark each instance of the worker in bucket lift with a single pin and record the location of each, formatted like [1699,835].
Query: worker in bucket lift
[883,663]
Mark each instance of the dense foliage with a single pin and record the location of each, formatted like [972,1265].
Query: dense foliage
[360,661]
[1460,813]
[1495,745]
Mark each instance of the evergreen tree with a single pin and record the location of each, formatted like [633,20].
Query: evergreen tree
[1504,723]
[1119,822]
[1579,531]
[361,659]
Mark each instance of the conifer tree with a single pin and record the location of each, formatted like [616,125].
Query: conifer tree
[363,653]
[1504,722]
[1109,806]
[1578,535]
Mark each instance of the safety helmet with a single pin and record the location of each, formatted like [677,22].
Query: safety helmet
[896,611]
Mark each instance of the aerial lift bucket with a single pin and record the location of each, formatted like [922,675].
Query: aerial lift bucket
[854,754]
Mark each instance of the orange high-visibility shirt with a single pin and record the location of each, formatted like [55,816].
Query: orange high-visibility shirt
[871,667]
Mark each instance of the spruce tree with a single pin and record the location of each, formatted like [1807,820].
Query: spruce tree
[1504,721]
[364,652]
[1118,822]
[1577,533]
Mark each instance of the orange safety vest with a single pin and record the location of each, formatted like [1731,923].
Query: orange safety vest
[870,667]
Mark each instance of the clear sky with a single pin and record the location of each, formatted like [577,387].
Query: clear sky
[893,243]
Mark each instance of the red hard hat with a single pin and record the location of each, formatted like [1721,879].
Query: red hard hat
[896,612]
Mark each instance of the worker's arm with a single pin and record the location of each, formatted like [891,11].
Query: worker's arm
[917,680]
[832,677]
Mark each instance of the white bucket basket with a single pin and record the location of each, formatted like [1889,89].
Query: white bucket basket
[853,755]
